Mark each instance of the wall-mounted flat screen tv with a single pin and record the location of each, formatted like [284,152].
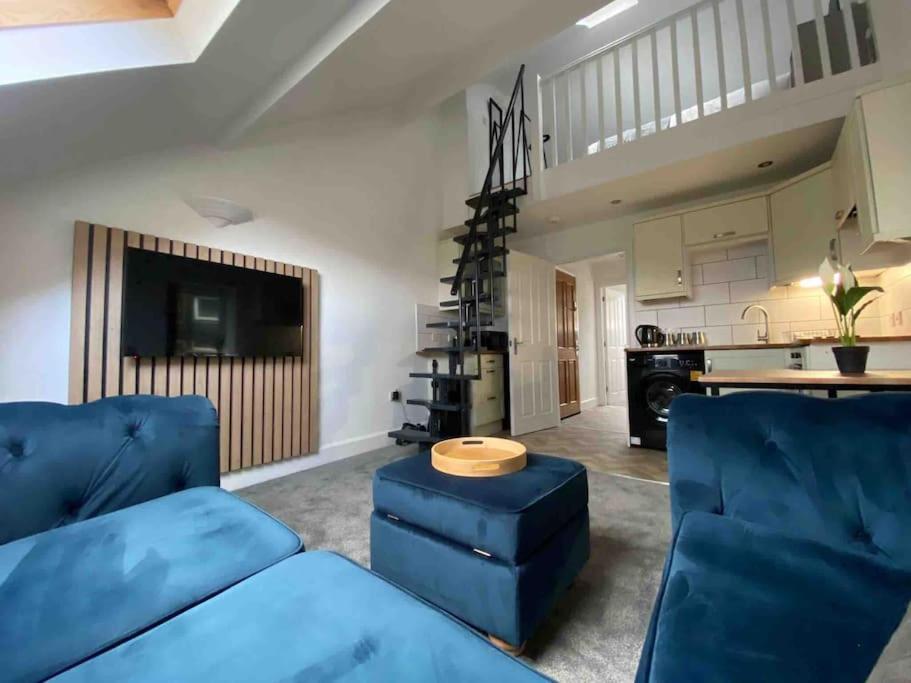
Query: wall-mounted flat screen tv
[178,306]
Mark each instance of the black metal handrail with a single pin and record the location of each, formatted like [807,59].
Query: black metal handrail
[496,159]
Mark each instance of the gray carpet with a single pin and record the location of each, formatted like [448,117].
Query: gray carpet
[596,631]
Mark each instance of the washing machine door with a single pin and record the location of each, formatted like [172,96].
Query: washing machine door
[659,392]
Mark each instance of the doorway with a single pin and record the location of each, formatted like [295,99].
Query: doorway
[567,345]
[613,339]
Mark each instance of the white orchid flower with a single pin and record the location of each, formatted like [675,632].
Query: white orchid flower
[848,281]
[829,276]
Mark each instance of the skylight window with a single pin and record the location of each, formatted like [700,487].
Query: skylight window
[22,13]
[607,12]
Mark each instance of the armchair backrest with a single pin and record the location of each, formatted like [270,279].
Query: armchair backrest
[837,471]
[63,464]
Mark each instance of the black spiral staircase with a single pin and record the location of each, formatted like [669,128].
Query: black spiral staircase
[481,264]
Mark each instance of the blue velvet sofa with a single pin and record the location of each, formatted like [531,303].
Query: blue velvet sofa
[121,559]
[791,550]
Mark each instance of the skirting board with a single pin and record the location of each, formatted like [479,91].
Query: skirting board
[328,453]
[589,403]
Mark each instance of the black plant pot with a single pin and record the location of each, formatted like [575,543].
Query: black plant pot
[852,360]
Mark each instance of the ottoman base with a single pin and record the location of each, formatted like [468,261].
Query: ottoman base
[500,598]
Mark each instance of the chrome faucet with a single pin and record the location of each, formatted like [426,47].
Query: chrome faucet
[761,336]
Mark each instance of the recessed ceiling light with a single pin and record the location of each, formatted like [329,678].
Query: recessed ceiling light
[765,164]
[615,201]
[553,220]
[606,12]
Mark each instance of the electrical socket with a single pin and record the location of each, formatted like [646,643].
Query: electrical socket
[395,395]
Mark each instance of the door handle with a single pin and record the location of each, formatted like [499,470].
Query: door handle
[515,345]
[679,277]
[728,233]
[708,365]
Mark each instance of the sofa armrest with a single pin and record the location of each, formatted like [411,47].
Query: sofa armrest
[63,464]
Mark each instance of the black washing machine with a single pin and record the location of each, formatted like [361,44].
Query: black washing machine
[654,379]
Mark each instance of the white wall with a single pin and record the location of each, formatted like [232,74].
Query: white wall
[350,199]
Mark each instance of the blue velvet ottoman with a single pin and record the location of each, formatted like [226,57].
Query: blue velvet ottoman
[496,552]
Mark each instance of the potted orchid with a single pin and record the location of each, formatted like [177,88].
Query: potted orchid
[847,298]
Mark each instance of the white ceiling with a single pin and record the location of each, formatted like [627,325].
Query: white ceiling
[273,63]
[721,172]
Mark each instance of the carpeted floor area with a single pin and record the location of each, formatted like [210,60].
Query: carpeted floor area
[597,629]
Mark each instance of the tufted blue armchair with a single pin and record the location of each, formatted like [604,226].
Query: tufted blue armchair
[62,464]
[791,553]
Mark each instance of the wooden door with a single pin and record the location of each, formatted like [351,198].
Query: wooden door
[531,314]
[567,345]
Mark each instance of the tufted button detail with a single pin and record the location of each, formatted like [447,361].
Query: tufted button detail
[862,536]
[16,448]
[771,445]
[133,430]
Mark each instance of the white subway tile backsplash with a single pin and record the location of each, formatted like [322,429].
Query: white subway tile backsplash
[749,334]
[714,335]
[729,271]
[725,281]
[646,317]
[755,290]
[796,310]
[705,295]
[708,255]
[674,318]
[746,250]
[725,314]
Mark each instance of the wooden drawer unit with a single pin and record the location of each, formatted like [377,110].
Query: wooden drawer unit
[487,393]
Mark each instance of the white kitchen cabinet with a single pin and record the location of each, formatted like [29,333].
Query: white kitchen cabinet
[488,398]
[802,225]
[747,218]
[872,165]
[844,169]
[661,265]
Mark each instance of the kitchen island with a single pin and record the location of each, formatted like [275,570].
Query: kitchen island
[829,380]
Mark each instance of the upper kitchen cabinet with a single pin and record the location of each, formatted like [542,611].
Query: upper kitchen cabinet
[872,165]
[661,265]
[747,218]
[801,225]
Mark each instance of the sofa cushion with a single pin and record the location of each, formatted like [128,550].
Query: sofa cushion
[745,603]
[314,617]
[508,516]
[63,464]
[68,593]
[837,471]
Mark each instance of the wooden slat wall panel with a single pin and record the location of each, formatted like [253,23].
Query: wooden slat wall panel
[77,311]
[267,406]
[113,380]
[312,333]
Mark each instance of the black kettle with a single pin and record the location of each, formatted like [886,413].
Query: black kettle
[649,335]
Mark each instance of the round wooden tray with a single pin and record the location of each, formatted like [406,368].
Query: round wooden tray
[473,456]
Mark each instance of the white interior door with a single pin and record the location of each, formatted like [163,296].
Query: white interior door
[613,300]
[532,324]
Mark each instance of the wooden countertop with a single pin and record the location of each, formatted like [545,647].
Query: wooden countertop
[715,347]
[806,378]
[778,345]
